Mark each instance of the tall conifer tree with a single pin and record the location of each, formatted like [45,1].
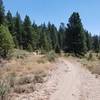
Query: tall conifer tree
[2,13]
[76,36]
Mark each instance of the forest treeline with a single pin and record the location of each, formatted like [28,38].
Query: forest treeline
[25,35]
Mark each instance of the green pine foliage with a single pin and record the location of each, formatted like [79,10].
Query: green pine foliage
[29,48]
[96,44]
[61,36]
[18,31]
[2,13]
[88,40]
[27,33]
[6,42]
[76,39]
[10,22]
[72,38]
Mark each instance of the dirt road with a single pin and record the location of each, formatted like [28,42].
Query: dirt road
[75,83]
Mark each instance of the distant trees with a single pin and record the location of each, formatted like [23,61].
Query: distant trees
[35,37]
[88,40]
[45,40]
[27,33]
[52,30]
[10,22]
[18,31]
[96,43]
[71,38]
[61,36]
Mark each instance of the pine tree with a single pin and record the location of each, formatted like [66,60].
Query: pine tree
[27,34]
[61,35]
[2,13]
[44,41]
[34,26]
[6,42]
[76,36]
[96,44]
[35,36]
[18,30]
[53,34]
[10,22]
[88,40]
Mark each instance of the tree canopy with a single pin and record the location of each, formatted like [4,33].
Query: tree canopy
[30,36]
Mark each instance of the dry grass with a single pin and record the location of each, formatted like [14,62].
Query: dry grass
[92,64]
[91,61]
[30,64]
[22,74]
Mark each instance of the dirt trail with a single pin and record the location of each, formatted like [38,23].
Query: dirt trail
[67,85]
[75,83]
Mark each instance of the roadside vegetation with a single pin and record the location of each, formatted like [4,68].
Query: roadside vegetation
[51,56]
[91,61]
[23,73]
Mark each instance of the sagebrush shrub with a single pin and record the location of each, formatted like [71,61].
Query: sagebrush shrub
[90,57]
[51,56]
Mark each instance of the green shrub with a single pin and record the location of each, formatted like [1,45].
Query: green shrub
[6,42]
[66,54]
[29,48]
[90,56]
[51,56]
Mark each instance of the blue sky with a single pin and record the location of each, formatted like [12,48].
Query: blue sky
[57,11]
